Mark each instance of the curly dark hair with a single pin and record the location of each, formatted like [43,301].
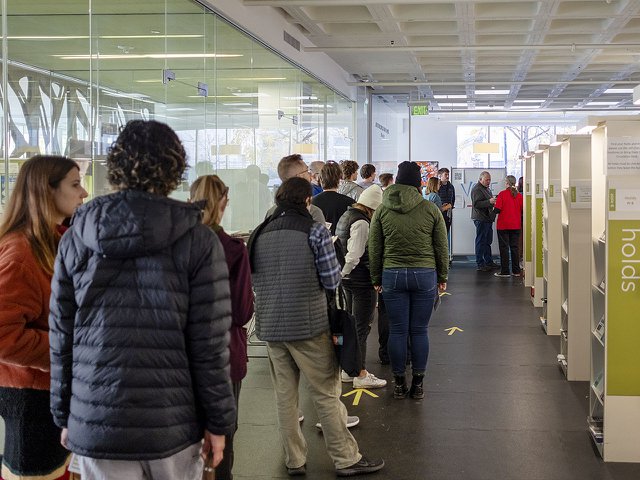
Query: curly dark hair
[147,156]
[294,191]
[349,167]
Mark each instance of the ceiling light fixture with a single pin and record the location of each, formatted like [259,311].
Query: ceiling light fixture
[448,97]
[618,90]
[492,92]
[157,56]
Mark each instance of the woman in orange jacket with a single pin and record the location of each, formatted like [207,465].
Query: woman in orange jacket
[47,191]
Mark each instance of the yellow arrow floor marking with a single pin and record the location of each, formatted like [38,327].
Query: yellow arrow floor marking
[358,393]
[453,330]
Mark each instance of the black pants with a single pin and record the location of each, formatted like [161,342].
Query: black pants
[361,302]
[508,242]
[223,470]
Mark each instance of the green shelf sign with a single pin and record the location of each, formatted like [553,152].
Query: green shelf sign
[419,110]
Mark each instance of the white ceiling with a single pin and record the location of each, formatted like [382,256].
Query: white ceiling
[548,55]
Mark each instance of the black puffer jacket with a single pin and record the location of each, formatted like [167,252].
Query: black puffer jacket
[140,314]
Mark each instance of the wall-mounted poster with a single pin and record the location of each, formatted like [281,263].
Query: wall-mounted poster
[428,170]
[457,175]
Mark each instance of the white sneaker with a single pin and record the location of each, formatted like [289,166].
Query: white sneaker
[300,416]
[352,421]
[345,377]
[369,381]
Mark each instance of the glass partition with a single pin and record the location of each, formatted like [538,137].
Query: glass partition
[78,71]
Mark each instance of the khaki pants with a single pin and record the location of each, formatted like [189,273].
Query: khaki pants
[316,360]
[184,465]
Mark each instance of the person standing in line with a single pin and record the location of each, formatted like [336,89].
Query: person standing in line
[212,190]
[431,193]
[386,179]
[294,267]
[315,167]
[294,166]
[409,263]
[483,216]
[368,175]
[509,209]
[48,190]
[332,203]
[348,186]
[447,193]
[139,322]
[353,232]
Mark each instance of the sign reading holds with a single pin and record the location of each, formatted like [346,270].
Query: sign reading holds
[623,303]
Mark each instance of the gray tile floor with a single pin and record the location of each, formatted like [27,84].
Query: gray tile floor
[497,406]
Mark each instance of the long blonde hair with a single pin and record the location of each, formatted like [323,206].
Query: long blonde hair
[31,209]
[212,190]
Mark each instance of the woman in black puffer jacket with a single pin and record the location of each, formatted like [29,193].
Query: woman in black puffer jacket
[140,314]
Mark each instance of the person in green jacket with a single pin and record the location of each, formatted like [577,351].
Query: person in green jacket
[409,263]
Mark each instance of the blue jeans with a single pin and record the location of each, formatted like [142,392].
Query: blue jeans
[484,237]
[409,294]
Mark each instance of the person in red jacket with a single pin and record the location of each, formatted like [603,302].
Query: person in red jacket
[47,190]
[214,192]
[509,207]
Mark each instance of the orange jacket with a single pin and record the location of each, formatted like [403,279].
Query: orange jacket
[24,311]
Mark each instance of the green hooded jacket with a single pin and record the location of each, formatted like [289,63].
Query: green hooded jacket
[407,231]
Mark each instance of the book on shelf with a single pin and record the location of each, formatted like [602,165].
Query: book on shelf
[600,327]
[598,386]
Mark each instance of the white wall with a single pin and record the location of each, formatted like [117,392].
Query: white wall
[433,139]
[389,135]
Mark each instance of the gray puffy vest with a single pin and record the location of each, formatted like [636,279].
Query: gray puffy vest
[359,276]
[291,303]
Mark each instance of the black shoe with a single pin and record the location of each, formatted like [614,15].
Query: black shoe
[400,390]
[296,472]
[362,467]
[417,391]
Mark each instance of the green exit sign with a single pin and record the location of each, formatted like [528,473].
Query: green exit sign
[419,110]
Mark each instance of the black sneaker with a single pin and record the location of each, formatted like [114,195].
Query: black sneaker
[363,467]
[500,274]
[296,472]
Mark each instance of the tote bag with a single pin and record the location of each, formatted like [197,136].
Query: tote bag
[345,335]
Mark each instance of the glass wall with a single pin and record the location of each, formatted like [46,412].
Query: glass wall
[514,142]
[79,70]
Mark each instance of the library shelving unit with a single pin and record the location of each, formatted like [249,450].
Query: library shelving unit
[575,328]
[537,209]
[614,404]
[551,239]
[527,226]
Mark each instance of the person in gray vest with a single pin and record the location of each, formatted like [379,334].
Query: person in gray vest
[353,232]
[294,266]
[294,166]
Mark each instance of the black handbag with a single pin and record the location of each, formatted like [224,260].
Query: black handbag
[345,335]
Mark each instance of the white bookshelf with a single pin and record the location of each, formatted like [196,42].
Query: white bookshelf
[614,421]
[527,222]
[537,213]
[575,311]
[552,239]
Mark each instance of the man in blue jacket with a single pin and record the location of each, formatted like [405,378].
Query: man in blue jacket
[140,314]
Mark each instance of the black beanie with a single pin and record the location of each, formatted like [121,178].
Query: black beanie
[409,174]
